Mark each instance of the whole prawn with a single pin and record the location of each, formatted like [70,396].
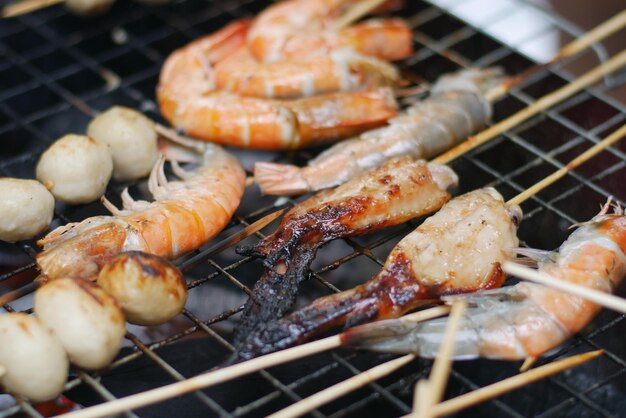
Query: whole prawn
[525,320]
[456,108]
[184,215]
[189,100]
[286,29]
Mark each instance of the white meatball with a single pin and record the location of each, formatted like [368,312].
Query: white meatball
[87,320]
[131,138]
[35,361]
[88,7]
[76,168]
[150,289]
[26,209]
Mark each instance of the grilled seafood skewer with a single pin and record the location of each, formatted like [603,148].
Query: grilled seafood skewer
[456,109]
[525,320]
[399,190]
[188,99]
[387,368]
[456,250]
[184,215]
[453,250]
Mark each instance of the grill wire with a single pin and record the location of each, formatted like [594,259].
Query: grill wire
[57,71]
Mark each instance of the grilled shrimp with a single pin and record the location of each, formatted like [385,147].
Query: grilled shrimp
[184,216]
[342,70]
[189,100]
[456,109]
[525,320]
[457,250]
[400,190]
[289,28]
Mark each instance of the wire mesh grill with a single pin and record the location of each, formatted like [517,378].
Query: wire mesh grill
[57,71]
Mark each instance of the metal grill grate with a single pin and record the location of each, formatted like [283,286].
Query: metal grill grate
[56,71]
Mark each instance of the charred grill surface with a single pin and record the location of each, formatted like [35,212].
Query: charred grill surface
[394,193]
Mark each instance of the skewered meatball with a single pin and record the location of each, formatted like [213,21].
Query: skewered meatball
[87,320]
[131,138]
[75,168]
[35,361]
[150,289]
[26,209]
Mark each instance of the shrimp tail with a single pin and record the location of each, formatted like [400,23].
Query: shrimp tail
[280,179]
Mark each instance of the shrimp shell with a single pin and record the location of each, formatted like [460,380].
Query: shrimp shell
[525,320]
[184,216]
[456,109]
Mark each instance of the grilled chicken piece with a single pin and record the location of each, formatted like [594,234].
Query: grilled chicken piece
[399,190]
[457,250]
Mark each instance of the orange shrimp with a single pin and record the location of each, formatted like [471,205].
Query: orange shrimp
[184,216]
[341,70]
[285,30]
[525,320]
[188,99]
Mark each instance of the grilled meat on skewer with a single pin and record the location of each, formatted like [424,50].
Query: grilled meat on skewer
[400,190]
[457,250]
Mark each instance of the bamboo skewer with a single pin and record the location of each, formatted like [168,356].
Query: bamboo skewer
[382,370]
[431,393]
[604,299]
[349,385]
[576,162]
[540,105]
[604,30]
[233,239]
[499,388]
[228,373]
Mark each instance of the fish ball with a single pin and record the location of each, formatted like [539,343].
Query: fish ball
[76,168]
[26,209]
[132,141]
[35,361]
[87,320]
[150,289]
